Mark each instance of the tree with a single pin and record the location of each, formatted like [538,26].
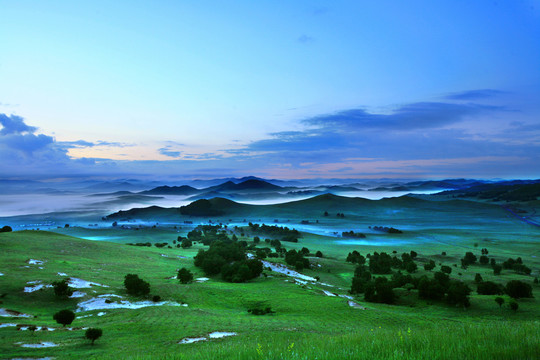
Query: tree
[64,317]
[411,267]
[497,269]
[62,289]
[184,275]
[135,285]
[93,334]
[469,259]
[429,266]
[186,243]
[414,254]
[499,300]
[518,289]
[256,239]
[458,294]
[6,229]
[446,269]
[320,254]
[484,260]
[478,278]
[513,305]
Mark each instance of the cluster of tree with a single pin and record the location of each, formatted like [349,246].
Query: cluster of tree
[516,265]
[297,259]
[135,285]
[140,244]
[386,229]
[206,234]
[356,258]
[282,232]
[160,245]
[229,259]
[441,287]
[374,289]
[380,289]
[6,228]
[352,234]
[340,215]
[514,288]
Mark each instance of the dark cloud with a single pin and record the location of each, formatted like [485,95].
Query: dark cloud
[305,39]
[168,152]
[475,94]
[415,116]
[14,124]
[84,143]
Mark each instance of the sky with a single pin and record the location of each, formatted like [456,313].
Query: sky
[277,89]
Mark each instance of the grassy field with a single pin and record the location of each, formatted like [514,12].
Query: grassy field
[307,324]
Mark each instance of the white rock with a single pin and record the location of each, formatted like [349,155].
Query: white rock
[35,262]
[43,344]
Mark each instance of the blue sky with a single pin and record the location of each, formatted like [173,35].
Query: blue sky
[286,89]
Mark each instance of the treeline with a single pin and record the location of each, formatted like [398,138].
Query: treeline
[281,232]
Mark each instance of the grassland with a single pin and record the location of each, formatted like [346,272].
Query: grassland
[307,324]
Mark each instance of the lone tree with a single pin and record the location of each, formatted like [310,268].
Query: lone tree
[6,229]
[62,289]
[64,317]
[184,275]
[135,285]
[93,334]
[499,300]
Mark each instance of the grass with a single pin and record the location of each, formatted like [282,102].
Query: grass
[306,325]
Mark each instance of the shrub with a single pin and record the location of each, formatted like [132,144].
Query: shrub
[184,275]
[156,298]
[135,285]
[497,269]
[6,229]
[489,288]
[499,300]
[513,305]
[62,289]
[93,334]
[319,254]
[64,317]
[518,289]
[478,278]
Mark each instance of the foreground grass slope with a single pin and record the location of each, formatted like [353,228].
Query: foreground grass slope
[307,324]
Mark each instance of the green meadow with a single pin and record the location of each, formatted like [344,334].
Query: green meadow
[309,321]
